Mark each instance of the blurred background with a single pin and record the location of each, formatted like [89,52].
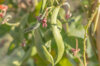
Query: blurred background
[17,47]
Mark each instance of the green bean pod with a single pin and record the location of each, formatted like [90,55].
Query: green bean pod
[59,25]
[57,36]
[48,34]
[41,49]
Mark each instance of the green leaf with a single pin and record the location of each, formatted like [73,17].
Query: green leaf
[43,4]
[76,28]
[64,62]
[4,29]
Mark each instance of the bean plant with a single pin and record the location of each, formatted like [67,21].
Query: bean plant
[49,32]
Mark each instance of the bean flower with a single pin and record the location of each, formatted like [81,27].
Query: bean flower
[44,22]
[23,44]
[3,10]
[68,12]
[68,15]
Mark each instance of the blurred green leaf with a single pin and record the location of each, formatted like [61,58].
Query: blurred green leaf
[76,28]
[4,29]
[64,62]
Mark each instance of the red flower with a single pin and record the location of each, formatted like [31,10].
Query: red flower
[44,22]
[1,15]
[3,9]
[68,15]
[75,51]
[23,44]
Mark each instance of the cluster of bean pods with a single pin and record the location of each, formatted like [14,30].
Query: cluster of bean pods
[52,33]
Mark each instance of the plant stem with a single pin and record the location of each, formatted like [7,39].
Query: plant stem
[67,28]
[96,22]
[80,60]
[84,53]
[85,36]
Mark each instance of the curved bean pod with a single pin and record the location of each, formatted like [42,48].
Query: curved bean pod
[59,25]
[57,35]
[41,49]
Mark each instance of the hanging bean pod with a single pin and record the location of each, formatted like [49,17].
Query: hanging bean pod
[57,36]
[48,34]
[59,25]
[41,49]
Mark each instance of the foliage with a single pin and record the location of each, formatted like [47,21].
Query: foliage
[47,33]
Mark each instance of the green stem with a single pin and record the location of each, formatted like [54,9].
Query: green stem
[37,25]
[84,53]
[43,4]
[96,22]
[85,36]
[67,27]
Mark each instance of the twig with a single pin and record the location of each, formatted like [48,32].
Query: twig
[85,36]
[32,28]
[96,22]
[80,60]
[75,52]
[84,50]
